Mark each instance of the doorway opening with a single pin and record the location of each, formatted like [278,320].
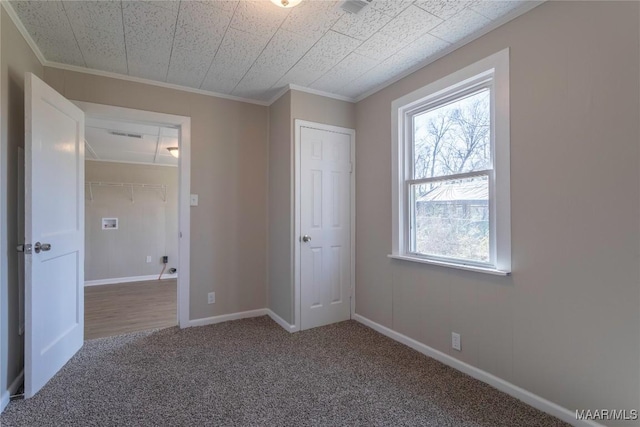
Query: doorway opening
[136,220]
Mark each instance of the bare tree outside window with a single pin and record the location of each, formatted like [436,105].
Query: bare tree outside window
[451,215]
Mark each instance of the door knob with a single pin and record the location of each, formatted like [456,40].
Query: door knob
[44,247]
[306,238]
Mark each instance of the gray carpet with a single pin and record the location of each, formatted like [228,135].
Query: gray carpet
[253,373]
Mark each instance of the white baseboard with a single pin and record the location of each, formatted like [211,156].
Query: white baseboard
[13,388]
[226,317]
[502,385]
[280,321]
[128,279]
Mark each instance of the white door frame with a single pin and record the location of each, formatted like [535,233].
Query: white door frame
[184,183]
[296,196]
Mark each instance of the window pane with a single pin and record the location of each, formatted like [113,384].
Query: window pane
[453,138]
[451,219]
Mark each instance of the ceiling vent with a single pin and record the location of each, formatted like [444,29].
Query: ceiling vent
[354,6]
[125,134]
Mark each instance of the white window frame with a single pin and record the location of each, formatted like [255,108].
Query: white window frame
[492,72]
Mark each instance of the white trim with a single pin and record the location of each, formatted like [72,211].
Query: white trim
[184,184]
[279,95]
[289,87]
[132,279]
[25,34]
[280,321]
[506,387]
[321,93]
[527,6]
[44,62]
[13,388]
[226,317]
[450,264]
[299,124]
[119,76]
[496,67]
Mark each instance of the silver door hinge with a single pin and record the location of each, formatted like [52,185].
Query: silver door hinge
[26,248]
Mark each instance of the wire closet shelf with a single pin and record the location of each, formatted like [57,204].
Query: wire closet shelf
[161,188]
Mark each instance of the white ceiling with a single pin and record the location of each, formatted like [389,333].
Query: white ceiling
[151,148]
[252,49]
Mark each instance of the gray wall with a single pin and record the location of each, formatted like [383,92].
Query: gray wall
[306,106]
[292,105]
[280,209]
[228,171]
[565,325]
[149,226]
[16,59]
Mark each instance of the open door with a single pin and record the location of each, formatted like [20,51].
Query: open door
[54,232]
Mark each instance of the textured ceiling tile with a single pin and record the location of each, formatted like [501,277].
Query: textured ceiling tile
[259,17]
[149,34]
[363,84]
[460,26]
[410,24]
[172,5]
[391,7]
[41,14]
[444,9]
[362,25]
[254,84]
[187,69]
[379,46]
[313,18]
[400,62]
[101,15]
[237,53]
[496,9]
[58,45]
[324,55]
[102,50]
[350,68]
[426,46]
[201,28]
[282,53]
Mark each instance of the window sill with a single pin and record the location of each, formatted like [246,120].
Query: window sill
[475,268]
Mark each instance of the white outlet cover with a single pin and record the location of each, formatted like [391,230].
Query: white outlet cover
[194,200]
[455,341]
[148,258]
[211,298]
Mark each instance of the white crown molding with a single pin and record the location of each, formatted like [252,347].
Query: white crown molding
[44,62]
[21,28]
[279,95]
[321,93]
[151,82]
[455,46]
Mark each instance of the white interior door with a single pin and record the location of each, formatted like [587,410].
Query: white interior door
[325,225]
[54,227]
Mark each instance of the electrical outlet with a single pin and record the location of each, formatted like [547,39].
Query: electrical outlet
[194,200]
[211,298]
[455,341]
[148,258]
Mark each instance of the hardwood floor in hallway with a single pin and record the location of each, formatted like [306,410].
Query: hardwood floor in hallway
[129,307]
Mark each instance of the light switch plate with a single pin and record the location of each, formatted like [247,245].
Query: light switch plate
[194,200]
